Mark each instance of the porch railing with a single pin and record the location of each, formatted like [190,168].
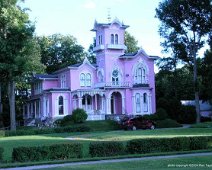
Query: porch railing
[115,84]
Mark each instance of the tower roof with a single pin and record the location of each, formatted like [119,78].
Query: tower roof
[115,21]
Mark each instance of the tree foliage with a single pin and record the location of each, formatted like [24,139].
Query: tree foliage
[59,51]
[131,43]
[18,53]
[186,25]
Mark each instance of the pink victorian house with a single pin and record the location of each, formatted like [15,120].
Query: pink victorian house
[118,84]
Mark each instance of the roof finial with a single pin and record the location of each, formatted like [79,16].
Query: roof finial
[108,15]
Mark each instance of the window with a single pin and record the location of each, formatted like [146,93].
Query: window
[88,79]
[63,81]
[60,104]
[112,39]
[115,79]
[100,39]
[140,75]
[100,76]
[82,79]
[138,103]
[145,101]
[116,39]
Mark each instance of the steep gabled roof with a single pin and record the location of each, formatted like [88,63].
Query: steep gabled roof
[133,55]
[45,76]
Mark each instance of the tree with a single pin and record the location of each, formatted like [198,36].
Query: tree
[185,27]
[17,56]
[59,51]
[131,43]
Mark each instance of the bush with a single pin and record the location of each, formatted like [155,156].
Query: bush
[104,149]
[187,115]
[167,123]
[152,117]
[161,114]
[2,133]
[1,154]
[43,153]
[79,115]
[140,146]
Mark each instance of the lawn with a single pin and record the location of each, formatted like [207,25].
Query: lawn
[8,143]
[188,163]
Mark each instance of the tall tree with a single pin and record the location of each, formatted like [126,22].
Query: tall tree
[131,43]
[16,44]
[185,27]
[58,51]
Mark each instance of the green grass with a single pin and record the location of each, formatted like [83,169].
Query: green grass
[202,125]
[188,163]
[8,143]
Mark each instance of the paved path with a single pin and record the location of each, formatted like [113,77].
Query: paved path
[108,161]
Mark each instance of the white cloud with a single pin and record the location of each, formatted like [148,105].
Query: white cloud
[89,5]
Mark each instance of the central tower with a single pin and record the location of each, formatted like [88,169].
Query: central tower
[109,44]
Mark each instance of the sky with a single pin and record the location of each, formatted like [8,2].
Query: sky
[76,18]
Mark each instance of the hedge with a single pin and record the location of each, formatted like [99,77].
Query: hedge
[43,153]
[104,149]
[167,123]
[140,146]
[1,154]
[80,128]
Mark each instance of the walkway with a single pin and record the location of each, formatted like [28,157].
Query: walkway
[108,161]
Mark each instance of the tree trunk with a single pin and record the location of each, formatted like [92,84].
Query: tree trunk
[11,95]
[0,99]
[196,89]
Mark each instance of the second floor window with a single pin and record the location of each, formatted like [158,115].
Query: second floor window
[115,77]
[112,39]
[140,75]
[85,79]
[63,81]
[116,39]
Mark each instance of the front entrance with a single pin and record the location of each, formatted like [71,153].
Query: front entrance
[116,103]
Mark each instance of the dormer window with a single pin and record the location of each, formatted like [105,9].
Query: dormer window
[112,39]
[116,39]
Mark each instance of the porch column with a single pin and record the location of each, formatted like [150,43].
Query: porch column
[123,105]
[31,114]
[108,110]
[102,103]
[28,114]
[80,102]
[133,104]
[35,109]
[44,106]
[95,101]
[150,104]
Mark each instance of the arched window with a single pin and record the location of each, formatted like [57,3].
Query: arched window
[60,104]
[140,74]
[88,79]
[115,77]
[145,101]
[112,39]
[138,103]
[116,39]
[82,79]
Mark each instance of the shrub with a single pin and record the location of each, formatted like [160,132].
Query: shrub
[167,123]
[104,149]
[79,115]
[2,133]
[161,114]
[67,120]
[53,152]
[1,154]
[140,146]
[187,115]
[152,117]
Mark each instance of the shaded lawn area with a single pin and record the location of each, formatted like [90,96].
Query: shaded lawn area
[189,163]
[8,143]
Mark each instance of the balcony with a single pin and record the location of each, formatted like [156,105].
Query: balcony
[117,46]
[113,85]
[99,47]
[140,85]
